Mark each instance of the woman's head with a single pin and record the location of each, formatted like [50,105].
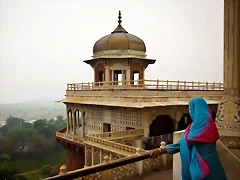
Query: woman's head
[198,107]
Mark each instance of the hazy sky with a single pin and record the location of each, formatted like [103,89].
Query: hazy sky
[43,42]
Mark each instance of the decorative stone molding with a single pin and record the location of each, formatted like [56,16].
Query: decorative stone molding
[119,54]
[232,91]
[232,127]
[229,109]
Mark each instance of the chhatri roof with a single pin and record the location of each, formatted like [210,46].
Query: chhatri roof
[119,39]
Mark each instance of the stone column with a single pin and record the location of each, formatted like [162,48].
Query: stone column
[68,125]
[128,78]
[139,164]
[106,175]
[228,115]
[94,75]
[164,156]
[100,156]
[175,125]
[83,124]
[71,121]
[78,122]
[138,143]
[74,123]
[92,156]
[107,75]
[146,123]
[85,156]
[143,73]
[63,170]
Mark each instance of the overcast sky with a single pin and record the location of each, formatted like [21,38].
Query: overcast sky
[43,42]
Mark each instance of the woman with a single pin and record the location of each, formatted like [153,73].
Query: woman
[197,146]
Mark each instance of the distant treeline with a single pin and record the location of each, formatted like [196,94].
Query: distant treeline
[32,110]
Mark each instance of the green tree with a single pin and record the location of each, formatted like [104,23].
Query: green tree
[7,169]
[42,145]
[24,136]
[8,144]
[13,122]
[40,124]
[60,118]
[4,158]
[59,124]
[47,131]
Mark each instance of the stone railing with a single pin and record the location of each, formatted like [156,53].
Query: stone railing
[136,164]
[148,84]
[117,134]
[70,137]
[110,145]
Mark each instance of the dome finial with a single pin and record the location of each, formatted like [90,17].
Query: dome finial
[119,18]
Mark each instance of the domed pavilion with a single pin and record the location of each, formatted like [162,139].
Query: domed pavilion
[119,57]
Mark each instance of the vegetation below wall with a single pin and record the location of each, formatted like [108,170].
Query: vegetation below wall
[29,148]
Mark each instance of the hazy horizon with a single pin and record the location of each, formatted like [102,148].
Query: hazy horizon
[44,42]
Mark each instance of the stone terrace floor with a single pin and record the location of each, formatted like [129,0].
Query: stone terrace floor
[156,175]
[236,152]
[168,174]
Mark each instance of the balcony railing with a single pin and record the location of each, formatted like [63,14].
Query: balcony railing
[148,84]
[73,138]
[101,167]
[117,134]
[123,168]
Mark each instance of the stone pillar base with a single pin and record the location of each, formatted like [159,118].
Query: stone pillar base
[229,110]
[228,121]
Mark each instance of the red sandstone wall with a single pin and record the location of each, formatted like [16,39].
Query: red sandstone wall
[74,161]
[100,67]
[136,67]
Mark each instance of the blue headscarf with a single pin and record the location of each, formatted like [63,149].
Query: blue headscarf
[203,129]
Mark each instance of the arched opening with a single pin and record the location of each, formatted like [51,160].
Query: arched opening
[184,121]
[163,124]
